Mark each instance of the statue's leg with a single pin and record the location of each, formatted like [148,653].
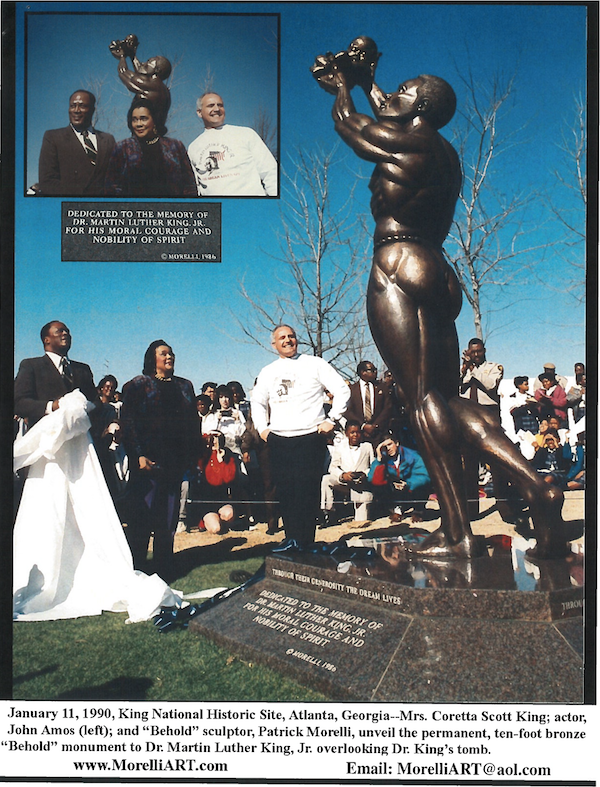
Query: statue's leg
[415,344]
[482,430]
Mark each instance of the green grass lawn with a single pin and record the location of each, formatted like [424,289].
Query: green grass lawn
[103,658]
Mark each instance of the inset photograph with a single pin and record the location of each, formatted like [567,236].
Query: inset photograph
[154,105]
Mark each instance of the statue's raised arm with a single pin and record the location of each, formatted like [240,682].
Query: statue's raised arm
[146,80]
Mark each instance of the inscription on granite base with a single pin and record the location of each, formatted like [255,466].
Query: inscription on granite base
[397,632]
[336,647]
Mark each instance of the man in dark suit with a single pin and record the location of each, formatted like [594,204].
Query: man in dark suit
[41,382]
[74,160]
[370,404]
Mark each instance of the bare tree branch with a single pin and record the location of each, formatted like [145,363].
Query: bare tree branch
[207,82]
[568,203]
[325,251]
[486,244]
[266,129]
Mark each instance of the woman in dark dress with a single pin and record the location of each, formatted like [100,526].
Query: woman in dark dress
[160,433]
[149,164]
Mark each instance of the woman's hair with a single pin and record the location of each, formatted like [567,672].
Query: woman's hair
[236,387]
[138,103]
[108,378]
[220,439]
[224,390]
[150,357]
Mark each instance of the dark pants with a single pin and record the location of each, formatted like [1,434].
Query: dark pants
[266,488]
[297,468]
[153,507]
[387,498]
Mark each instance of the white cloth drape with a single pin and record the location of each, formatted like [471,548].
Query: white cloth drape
[71,557]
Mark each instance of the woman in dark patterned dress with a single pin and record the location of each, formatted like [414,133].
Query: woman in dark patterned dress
[160,433]
[149,164]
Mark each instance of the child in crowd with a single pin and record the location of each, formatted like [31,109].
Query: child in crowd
[351,460]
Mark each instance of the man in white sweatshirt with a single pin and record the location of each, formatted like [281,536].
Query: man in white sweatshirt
[287,409]
[230,161]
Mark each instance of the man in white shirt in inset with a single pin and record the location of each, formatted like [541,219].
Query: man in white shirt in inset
[287,409]
[230,161]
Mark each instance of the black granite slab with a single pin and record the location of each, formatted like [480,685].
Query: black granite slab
[460,660]
[572,631]
[339,649]
[141,232]
[392,628]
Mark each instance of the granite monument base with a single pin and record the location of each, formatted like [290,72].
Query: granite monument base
[394,628]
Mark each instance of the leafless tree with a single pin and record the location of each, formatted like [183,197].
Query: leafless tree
[180,117]
[486,245]
[263,122]
[324,248]
[207,83]
[572,191]
[105,116]
[266,129]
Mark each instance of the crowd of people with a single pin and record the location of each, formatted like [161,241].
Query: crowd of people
[306,447]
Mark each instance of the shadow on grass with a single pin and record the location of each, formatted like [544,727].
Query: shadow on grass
[32,675]
[117,689]
[212,554]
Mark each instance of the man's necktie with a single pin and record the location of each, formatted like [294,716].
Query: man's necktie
[66,371]
[368,406]
[473,391]
[89,148]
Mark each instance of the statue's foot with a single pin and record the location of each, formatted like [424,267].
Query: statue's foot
[437,547]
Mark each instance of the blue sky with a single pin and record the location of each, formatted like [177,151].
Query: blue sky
[115,310]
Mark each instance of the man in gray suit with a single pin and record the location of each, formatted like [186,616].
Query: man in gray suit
[41,382]
[74,160]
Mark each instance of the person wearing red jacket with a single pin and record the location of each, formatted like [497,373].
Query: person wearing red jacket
[219,467]
[551,397]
